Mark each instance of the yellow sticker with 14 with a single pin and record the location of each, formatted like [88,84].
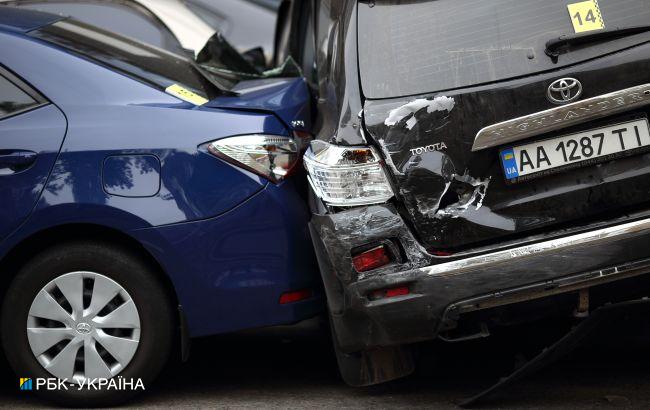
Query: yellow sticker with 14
[586,16]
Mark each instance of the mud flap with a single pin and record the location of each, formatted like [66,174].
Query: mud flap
[375,366]
[562,347]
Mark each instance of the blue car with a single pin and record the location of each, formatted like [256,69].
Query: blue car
[144,202]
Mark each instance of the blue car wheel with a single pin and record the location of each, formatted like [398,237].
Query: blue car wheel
[87,312]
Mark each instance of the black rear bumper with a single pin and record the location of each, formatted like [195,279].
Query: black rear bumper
[442,289]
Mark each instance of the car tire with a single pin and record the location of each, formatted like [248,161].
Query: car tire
[102,267]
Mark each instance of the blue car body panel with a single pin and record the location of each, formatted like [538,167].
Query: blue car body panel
[143,175]
[132,158]
[40,131]
[110,114]
[284,97]
[241,262]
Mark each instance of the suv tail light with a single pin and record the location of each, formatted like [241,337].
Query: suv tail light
[346,176]
[271,156]
[371,259]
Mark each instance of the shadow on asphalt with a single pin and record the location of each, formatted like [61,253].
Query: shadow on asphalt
[294,367]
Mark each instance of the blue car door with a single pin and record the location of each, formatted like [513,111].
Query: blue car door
[31,134]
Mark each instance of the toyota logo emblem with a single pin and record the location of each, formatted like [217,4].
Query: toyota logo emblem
[83,328]
[564,90]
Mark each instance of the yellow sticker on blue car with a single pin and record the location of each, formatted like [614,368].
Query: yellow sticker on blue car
[586,16]
[185,94]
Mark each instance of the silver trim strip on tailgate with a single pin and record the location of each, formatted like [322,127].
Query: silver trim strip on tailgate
[600,236]
[562,117]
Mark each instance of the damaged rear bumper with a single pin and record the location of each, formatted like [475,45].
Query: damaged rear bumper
[442,289]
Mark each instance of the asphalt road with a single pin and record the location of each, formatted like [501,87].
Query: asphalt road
[295,368]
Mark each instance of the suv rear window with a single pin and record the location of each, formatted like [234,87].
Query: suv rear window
[409,47]
[140,61]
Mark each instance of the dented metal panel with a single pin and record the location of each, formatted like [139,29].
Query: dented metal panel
[456,199]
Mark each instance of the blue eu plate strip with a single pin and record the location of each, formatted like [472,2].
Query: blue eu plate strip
[509,163]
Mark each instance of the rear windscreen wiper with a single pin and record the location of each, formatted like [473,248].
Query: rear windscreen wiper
[555,46]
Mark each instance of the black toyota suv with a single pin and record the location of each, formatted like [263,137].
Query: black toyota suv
[476,164]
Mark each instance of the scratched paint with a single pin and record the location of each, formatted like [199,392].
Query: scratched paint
[409,109]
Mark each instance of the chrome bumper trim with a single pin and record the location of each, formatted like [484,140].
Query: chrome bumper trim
[561,117]
[548,288]
[477,263]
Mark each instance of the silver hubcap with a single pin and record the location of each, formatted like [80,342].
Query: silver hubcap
[83,325]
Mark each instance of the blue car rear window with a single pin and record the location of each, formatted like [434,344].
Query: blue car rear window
[140,61]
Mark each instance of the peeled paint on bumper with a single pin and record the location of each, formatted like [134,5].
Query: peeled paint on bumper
[341,232]
[363,323]
[346,230]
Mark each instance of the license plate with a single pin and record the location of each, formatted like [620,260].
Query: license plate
[552,155]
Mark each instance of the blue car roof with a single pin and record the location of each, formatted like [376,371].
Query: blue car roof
[23,21]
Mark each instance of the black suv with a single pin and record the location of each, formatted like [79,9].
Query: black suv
[476,164]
